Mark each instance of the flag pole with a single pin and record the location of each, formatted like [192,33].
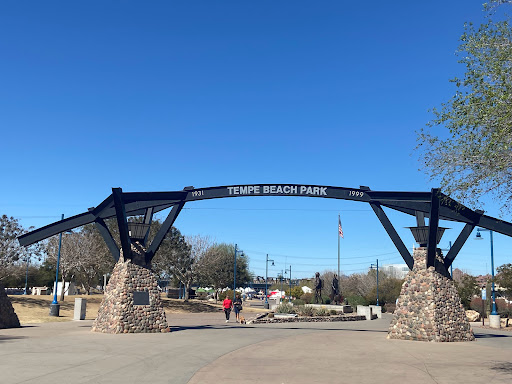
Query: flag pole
[339,221]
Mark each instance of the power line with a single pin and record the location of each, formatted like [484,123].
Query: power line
[363,263]
[279,209]
[320,258]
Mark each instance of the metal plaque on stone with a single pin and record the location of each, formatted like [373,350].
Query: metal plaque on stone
[141,298]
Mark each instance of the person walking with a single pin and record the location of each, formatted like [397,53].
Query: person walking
[227,304]
[237,306]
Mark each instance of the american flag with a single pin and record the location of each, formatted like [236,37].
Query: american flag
[340,230]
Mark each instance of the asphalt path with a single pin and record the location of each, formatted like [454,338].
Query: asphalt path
[202,348]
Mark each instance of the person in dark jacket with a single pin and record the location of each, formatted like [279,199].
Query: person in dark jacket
[237,306]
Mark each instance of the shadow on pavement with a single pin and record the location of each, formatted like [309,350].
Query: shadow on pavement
[226,327]
[7,338]
[504,367]
[489,335]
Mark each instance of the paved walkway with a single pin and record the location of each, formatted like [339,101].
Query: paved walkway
[204,349]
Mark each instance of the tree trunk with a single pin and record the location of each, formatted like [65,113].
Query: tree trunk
[187,285]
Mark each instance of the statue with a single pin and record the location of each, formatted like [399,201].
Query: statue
[318,288]
[335,291]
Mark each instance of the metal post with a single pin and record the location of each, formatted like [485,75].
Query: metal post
[54,306]
[339,223]
[290,297]
[26,278]
[377,281]
[493,296]
[281,279]
[376,266]
[494,312]
[266,282]
[234,273]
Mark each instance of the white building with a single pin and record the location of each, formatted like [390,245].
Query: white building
[398,271]
[69,288]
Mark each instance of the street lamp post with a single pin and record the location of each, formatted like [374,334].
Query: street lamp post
[290,297]
[54,306]
[281,279]
[266,280]
[26,277]
[479,237]
[376,266]
[234,271]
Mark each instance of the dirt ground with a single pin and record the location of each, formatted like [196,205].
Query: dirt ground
[36,309]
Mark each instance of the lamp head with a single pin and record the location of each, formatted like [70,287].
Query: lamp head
[478,235]
[272,262]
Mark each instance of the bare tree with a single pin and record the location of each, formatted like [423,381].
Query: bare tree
[11,252]
[81,258]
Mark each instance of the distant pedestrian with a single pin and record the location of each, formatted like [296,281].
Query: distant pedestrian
[227,304]
[237,306]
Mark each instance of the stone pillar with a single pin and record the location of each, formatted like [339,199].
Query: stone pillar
[132,301]
[429,308]
[8,318]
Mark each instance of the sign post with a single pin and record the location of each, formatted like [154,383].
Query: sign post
[484,297]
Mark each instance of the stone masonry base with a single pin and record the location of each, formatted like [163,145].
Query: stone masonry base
[429,308]
[132,302]
[8,318]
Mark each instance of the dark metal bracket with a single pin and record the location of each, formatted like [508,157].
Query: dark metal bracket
[122,223]
[433,224]
[399,244]
[166,226]
[107,237]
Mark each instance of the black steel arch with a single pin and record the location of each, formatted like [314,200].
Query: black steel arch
[433,205]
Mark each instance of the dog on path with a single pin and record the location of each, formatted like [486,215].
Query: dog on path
[242,319]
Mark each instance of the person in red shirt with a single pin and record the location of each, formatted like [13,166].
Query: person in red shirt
[227,304]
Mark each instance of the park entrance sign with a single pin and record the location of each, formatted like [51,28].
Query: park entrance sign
[433,205]
[123,311]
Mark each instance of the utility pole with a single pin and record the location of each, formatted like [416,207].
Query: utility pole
[376,266]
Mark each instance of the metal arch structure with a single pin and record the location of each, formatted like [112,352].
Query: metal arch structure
[433,205]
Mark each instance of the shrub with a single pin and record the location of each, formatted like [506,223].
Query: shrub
[476,304]
[504,309]
[296,292]
[228,293]
[354,300]
[303,310]
[389,308]
[321,312]
[285,308]
[307,298]
[298,302]
[327,300]
[334,312]
[201,295]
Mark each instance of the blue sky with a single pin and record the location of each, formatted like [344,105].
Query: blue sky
[153,96]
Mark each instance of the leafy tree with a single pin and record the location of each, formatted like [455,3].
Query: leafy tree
[467,288]
[475,156]
[504,277]
[389,290]
[218,266]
